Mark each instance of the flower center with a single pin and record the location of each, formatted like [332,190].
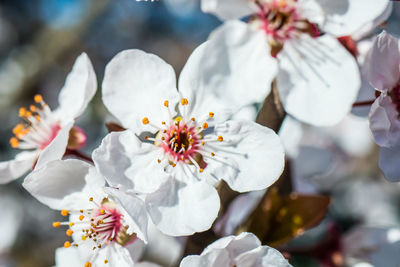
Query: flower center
[98,227]
[183,140]
[281,21]
[39,129]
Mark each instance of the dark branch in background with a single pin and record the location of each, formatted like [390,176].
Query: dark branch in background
[271,115]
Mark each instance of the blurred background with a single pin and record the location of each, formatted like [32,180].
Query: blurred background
[39,41]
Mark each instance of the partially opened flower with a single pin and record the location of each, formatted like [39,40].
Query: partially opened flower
[46,134]
[179,144]
[242,250]
[318,79]
[100,227]
[384,117]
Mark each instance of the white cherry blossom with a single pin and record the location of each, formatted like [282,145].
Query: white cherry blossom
[179,145]
[318,79]
[384,116]
[242,250]
[45,133]
[101,228]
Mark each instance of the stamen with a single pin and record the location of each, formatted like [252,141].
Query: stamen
[56,224]
[166,103]
[38,98]
[220,138]
[184,101]
[211,114]
[67,244]
[64,213]
[145,120]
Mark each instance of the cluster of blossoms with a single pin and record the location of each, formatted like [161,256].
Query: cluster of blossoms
[176,146]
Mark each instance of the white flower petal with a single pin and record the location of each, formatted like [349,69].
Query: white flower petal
[135,208]
[127,162]
[384,62]
[135,86]
[231,70]
[79,88]
[182,209]
[257,151]
[345,17]
[232,9]
[389,159]
[67,257]
[262,256]
[236,245]
[65,184]
[56,149]
[384,122]
[217,258]
[13,169]
[368,28]
[318,81]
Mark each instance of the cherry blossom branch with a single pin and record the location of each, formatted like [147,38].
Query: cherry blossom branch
[363,103]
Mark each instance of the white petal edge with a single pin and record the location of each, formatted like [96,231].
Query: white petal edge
[318,81]
[56,149]
[346,17]
[135,86]
[231,70]
[256,150]
[384,122]
[179,209]
[127,162]
[79,88]
[384,61]
[65,184]
[232,9]
[15,168]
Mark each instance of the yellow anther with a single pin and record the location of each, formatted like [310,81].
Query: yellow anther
[173,164]
[193,119]
[38,98]
[88,264]
[105,261]
[38,118]
[220,138]
[158,160]
[67,244]
[178,119]
[212,154]
[71,224]
[203,143]
[33,108]
[81,217]
[83,237]
[28,114]
[211,114]
[145,120]
[205,125]
[90,199]
[146,137]
[81,211]
[22,112]
[184,101]
[56,224]
[64,212]
[102,212]
[18,128]
[166,103]
[163,122]
[14,142]
[201,170]
[69,232]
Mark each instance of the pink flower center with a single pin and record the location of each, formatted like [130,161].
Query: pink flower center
[282,21]
[184,140]
[39,127]
[98,227]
